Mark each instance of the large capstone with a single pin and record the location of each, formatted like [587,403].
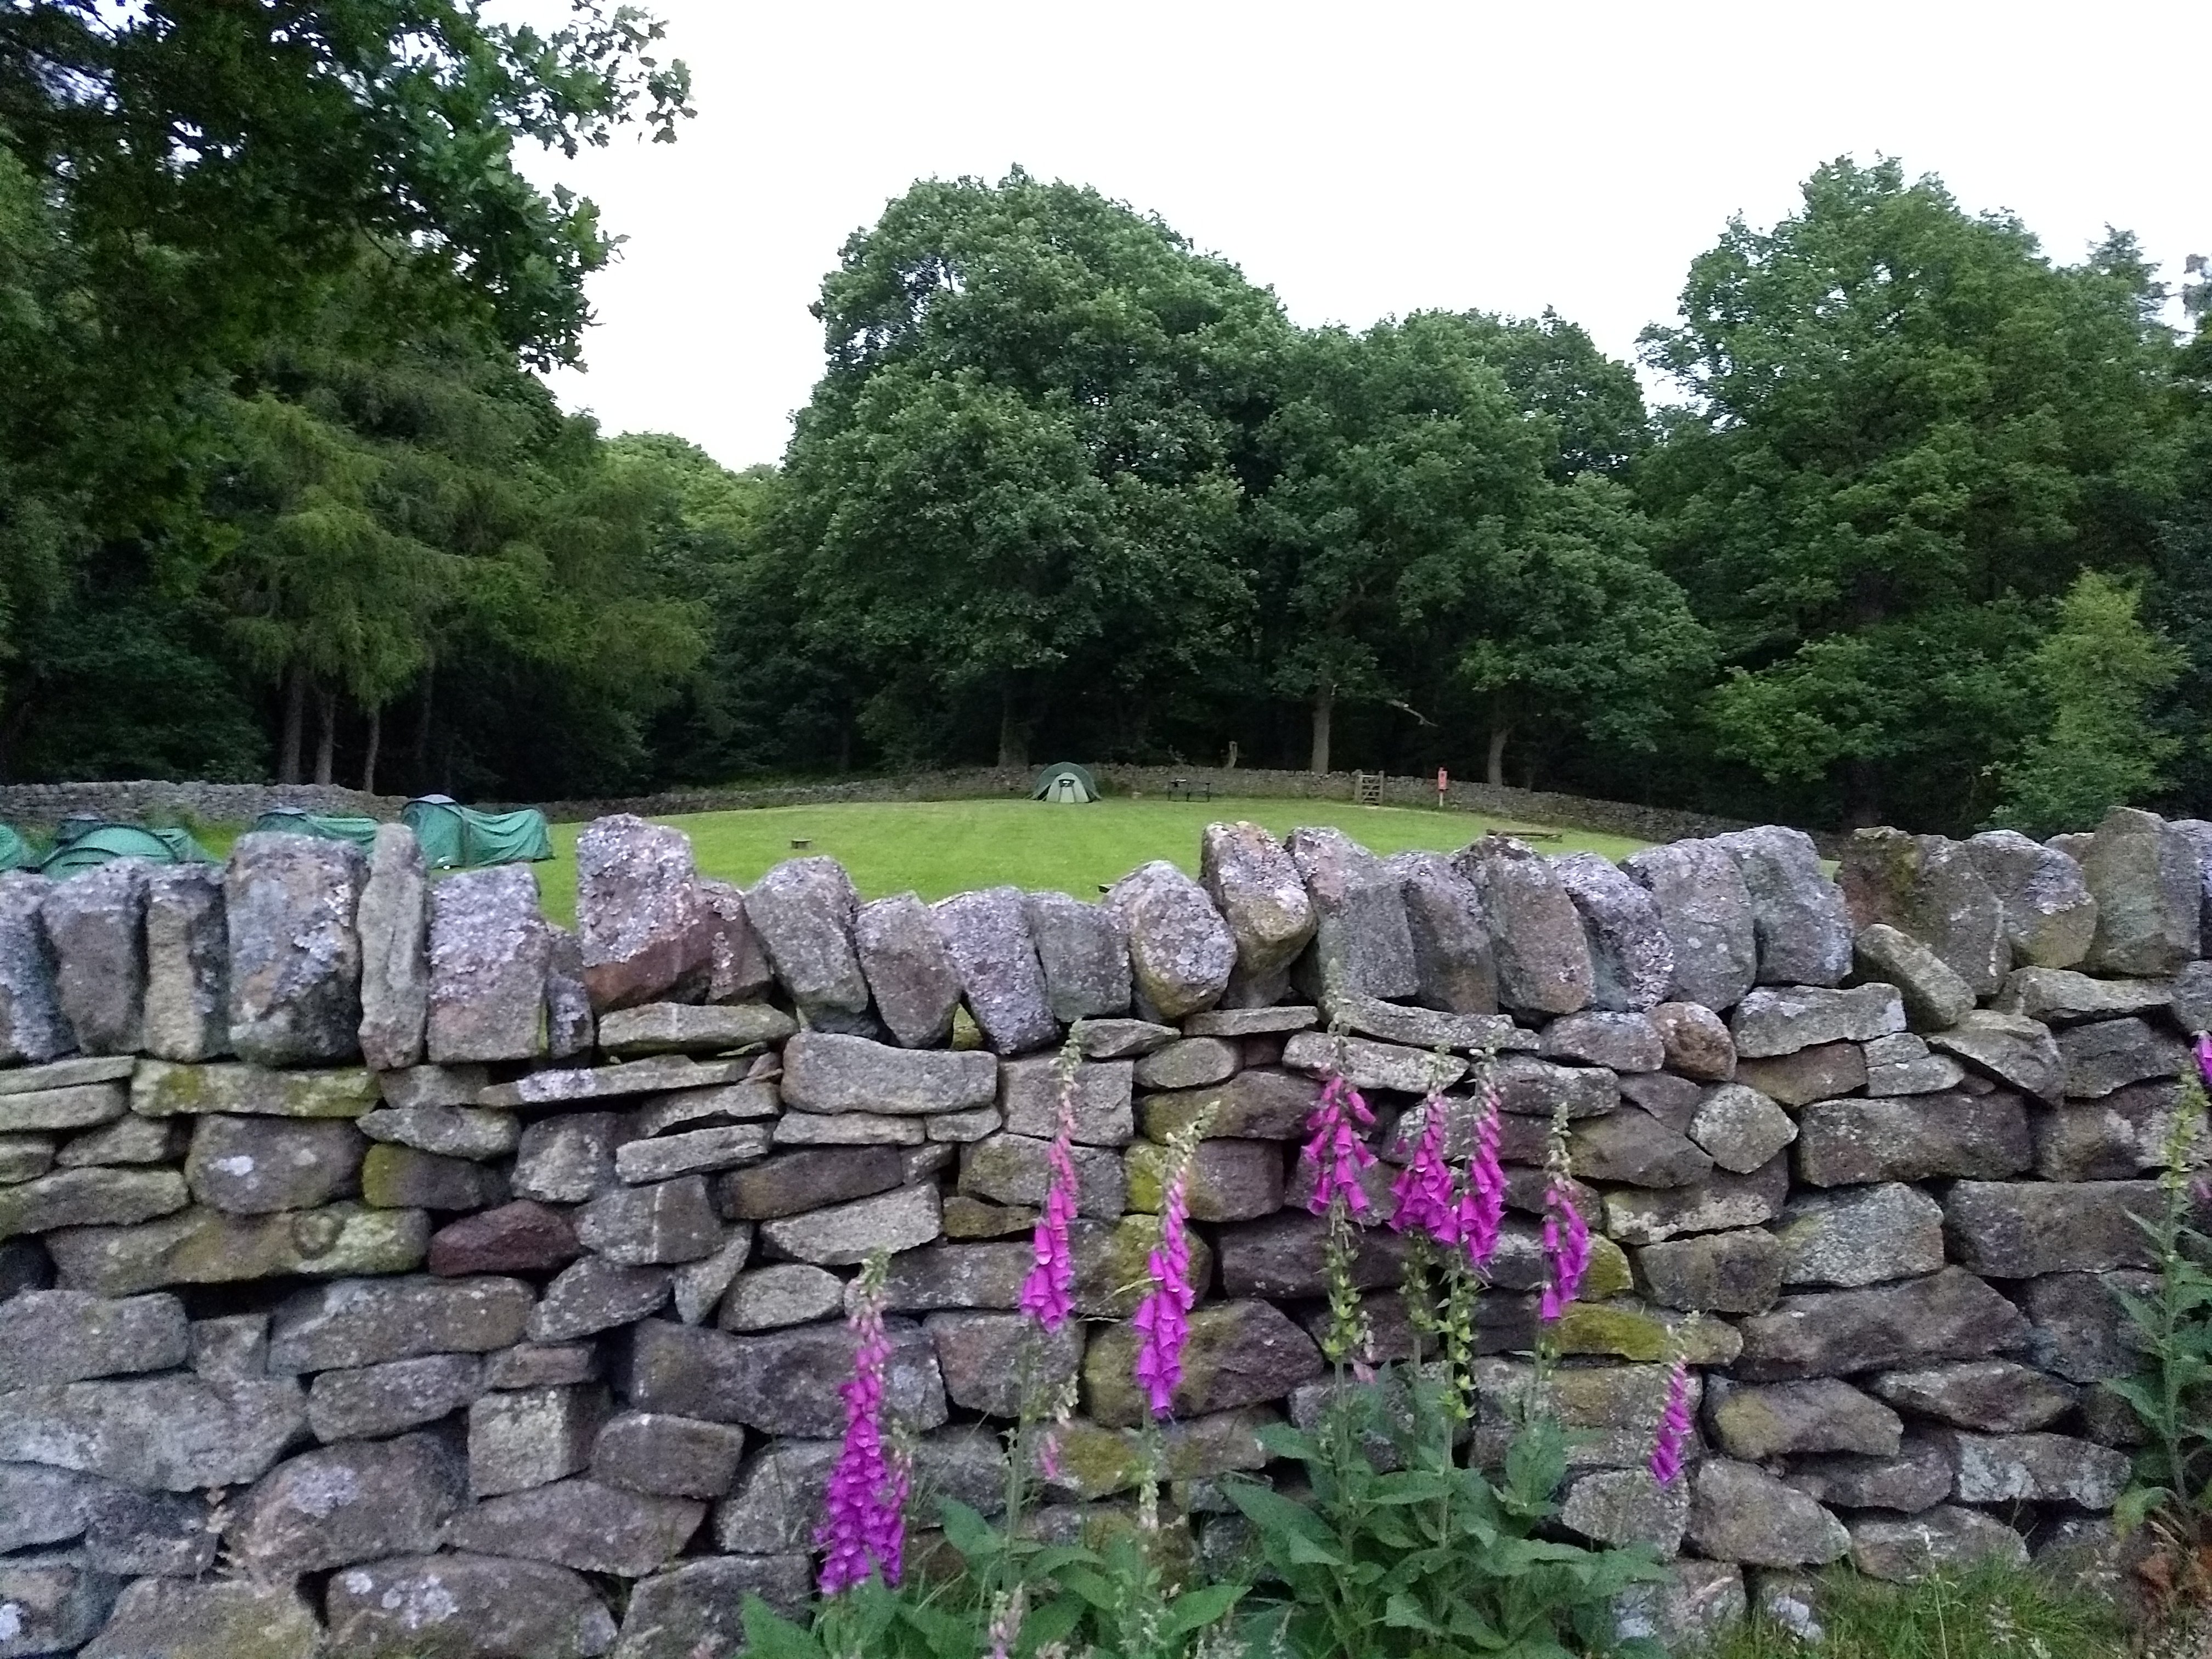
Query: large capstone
[1706,909]
[96,924]
[290,903]
[2050,915]
[1452,957]
[1631,957]
[490,955]
[33,1030]
[395,960]
[2145,875]
[1257,888]
[1181,952]
[1929,888]
[804,910]
[987,936]
[1362,942]
[646,930]
[1799,920]
[187,963]
[908,970]
[1536,930]
[1085,958]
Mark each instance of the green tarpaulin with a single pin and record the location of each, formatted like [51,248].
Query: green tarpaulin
[455,837]
[89,849]
[1064,780]
[324,826]
[15,852]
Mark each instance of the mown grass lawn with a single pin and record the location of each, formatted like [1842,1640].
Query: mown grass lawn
[939,847]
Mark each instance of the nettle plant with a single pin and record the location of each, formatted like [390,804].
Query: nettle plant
[1400,1551]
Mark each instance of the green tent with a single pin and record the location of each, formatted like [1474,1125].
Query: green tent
[324,826]
[456,837]
[1064,780]
[89,849]
[15,852]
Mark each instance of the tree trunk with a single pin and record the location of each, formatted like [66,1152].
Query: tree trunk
[1324,708]
[368,761]
[1013,733]
[421,752]
[1862,794]
[1494,773]
[326,735]
[295,721]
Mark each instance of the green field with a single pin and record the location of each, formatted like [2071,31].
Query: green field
[938,848]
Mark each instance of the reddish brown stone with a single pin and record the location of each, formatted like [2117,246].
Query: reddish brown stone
[520,1237]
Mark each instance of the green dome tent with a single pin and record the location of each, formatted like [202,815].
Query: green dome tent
[324,826]
[1064,780]
[89,849]
[456,837]
[15,852]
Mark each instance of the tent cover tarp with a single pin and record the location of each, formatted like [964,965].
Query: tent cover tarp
[1064,780]
[326,826]
[88,849]
[15,852]
[455,837]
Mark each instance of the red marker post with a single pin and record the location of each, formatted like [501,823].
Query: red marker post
[1443,782]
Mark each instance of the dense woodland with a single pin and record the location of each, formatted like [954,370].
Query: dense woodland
[1922,533]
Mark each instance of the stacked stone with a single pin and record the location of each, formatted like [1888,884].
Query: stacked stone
[440,1265]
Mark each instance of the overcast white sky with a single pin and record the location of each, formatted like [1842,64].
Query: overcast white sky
[1361,160]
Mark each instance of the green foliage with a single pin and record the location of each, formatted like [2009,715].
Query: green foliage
[1905,418]
[2174,1334]
[2096,672]
[1429,1559]
[1991,1611]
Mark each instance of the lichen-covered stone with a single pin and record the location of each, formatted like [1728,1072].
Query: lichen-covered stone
[1718,1203]
[1944,1537]
[1935,997]
[214,1619]
[402,1178]
[2014,1050]
[257,1166]
[987,934]
[1738,1271]
[909,971]
[159,1089]
[1993,1396]
[738,968]
[1817,1073]
[127,1140]
[989,1359]
[1949,1315]
[2121,1135]
[824,1072]
[774,1381]
[696,1151]
[369,1402]
[520,1438]
[1227,1180]
[1738,1127]
[581,1524]
[1799,920]
[670,1221]
[1917,1478]
[804,910]
[1361,941]
[490,955]
[1861,1235]
[171,1433]
[786,1294]
[777,1502]
[67,1336]
[1028,1098]
[200,1246]
[395,959]
[1240,1353]
[1917,1138]
[1536,930]
[459,1603]
[1635,1148]
[2144,874]
[1622,1041]
[94,1197]
[667,1456]
[1181,952]
[570,1086]
[1010,1169]
[1261,1104]
[2110,1054]
[1085,958]
[646,930]
[1453,963]
[339,1504]
[1631,953]
[2050,915]
[1931,889]
[1368,1065]
[2023,1230]
[1760,1423]
[1261,897]
[2034,1469]
[1622,1507]
[846,1235]
[1706,911]
[449,1131]
[364,1321]
[1781,1021]
[2058,996]
[679,1028]
[1742,1514]
[95,924]
[697,1608]
[290,908]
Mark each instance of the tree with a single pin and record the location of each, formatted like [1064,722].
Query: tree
[1904,420]
[2096,671]
[1402,469]
[1577,629]
[1016,481]
[1553,368]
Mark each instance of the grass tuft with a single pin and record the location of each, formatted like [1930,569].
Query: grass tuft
[1993,1611]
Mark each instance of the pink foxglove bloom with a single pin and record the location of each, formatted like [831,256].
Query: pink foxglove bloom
[1566,1248]
[1161,1319]
[1674,1426]
[2204,1058]
[1422,1198]
[864,1529]
[1047,1292]
[1482,1202]
[1336,1153]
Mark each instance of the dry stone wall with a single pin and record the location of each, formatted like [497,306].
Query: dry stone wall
[383,1271]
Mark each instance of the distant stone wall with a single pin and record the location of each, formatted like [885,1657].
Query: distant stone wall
[1522,805]
[432,1266]
[42,805]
